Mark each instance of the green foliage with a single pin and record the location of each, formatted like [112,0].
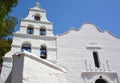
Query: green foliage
[6,7]
[1,60]
[5,46]
[7,24]
[8,29]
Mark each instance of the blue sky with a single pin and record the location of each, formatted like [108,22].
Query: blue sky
[64,14]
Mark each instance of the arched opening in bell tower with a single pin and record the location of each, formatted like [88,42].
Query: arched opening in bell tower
[37,17]
[30,30]
[43,52]
[42,30]
[26,47]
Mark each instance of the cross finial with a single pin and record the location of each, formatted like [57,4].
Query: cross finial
[37,3]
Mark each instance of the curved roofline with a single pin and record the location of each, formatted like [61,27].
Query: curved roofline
[112,34]
[78,29]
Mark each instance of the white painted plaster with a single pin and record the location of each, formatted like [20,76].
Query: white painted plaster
[69,55]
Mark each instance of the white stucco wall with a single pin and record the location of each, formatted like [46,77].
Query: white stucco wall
[36,26]
[36,10]
[77,46]
[35,39]
[72,51]
[32,69]
[36,42]
[41,73]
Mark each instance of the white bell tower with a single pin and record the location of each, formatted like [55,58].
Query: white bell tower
[36,35]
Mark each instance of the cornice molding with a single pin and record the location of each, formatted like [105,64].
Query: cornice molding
[36,28]
[35,47]
[34,21]
[37,10]
[16,46]
[34,36]
[48,49]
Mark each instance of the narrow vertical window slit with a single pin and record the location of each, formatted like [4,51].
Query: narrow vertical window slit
[96,60]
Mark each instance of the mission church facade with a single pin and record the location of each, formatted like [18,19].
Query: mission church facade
[85,55]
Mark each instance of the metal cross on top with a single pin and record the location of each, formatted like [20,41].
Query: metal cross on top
[37,3]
